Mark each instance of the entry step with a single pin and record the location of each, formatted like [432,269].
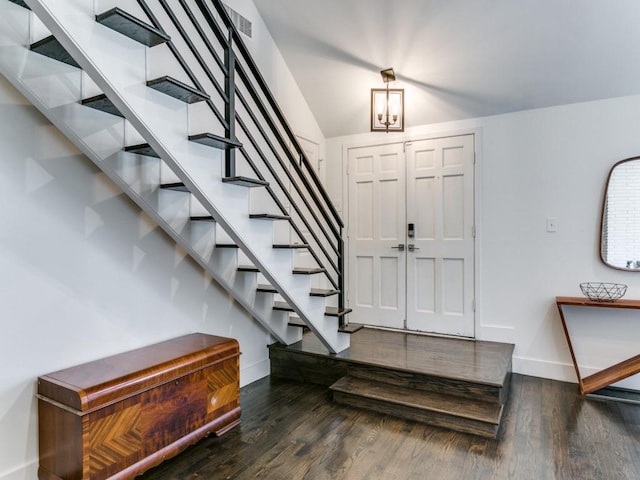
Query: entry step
[457,413]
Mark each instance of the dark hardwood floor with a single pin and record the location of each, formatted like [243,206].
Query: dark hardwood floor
[293,430]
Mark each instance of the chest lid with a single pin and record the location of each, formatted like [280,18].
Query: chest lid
[102,382]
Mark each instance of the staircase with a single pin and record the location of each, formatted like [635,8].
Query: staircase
[166,100]
[462,385]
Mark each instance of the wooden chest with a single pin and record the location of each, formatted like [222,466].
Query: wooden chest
[117,417]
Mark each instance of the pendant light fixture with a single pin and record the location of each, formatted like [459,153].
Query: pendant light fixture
[387,105]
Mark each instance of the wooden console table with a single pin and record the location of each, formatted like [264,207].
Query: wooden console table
[611,374]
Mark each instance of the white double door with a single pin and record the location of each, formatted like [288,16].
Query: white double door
[411,235]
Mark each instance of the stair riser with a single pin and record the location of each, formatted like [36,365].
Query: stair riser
[437,419]
[278,322]
[427,383]
[203,238]
[306,368]
[140,173]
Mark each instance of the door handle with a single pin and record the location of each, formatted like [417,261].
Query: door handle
[400,247]
[412,248]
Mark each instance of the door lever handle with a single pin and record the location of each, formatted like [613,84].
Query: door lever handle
[400,247]
[412,248]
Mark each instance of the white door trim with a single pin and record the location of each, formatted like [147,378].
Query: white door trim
[477,132]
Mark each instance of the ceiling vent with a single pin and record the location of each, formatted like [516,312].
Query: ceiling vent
[242,24]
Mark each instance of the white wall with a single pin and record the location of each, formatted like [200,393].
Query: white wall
[536,164]
[84,275]
[277,75]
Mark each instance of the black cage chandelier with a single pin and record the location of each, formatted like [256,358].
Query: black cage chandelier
[387,105]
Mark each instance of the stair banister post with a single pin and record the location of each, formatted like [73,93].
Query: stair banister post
[341,275]
[230,105]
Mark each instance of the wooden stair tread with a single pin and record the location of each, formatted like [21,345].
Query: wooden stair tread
[323,292]
[248,268]
[266,288]
[337,312]
[177,89]
[21,3]
[291,245]
[215,141]
[50,47]
[101,102]
[448,404]
[269,216]
[308,271]
[350,328]
[177,186]
[132,27]
[142,149]
[610,375]
[314,292]
[284,306]
[245,181]
[329,311]
[297,322]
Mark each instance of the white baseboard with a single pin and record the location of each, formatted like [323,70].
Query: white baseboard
[253,372]
[564,372]
[535,367]
[27,471]
[497,333]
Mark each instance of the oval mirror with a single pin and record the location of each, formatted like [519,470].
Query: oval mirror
[620,239]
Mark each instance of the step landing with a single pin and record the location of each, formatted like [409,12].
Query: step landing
[453,383]
[467,415]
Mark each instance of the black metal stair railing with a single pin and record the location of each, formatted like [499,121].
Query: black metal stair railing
[214,57]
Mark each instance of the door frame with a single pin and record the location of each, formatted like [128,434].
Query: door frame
[477,209]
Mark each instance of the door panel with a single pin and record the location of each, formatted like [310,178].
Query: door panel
[425,195]
[364,210]
[377,223]
[363,276]
[453,286]
[440,204]
[389,282]
[424,280]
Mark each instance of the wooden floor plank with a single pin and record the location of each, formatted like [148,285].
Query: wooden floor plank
[293,431]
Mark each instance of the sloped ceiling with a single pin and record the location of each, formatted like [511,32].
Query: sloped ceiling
[455,58]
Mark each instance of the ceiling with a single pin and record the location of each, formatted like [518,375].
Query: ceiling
[455,59]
